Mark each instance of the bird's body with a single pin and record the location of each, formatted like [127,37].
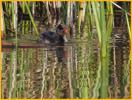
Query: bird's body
[57,39]
[50,36]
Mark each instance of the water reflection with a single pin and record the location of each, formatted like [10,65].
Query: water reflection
[36,73]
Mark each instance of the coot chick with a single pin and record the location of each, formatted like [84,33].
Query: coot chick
[56,38]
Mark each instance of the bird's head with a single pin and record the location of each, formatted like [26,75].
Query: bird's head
[63,31]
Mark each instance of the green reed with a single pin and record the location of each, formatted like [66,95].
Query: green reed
[31,17]
[104,30]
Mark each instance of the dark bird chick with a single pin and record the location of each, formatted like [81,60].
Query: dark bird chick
[58,39]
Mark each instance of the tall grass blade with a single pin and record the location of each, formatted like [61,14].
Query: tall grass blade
[31,17]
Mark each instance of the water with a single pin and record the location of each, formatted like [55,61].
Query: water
[36,73]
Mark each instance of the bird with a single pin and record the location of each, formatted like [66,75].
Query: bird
[57,39]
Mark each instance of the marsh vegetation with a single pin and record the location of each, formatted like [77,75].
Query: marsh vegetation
[97,61]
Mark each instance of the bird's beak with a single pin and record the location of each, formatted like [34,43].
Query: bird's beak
[65,30]
[66,34]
